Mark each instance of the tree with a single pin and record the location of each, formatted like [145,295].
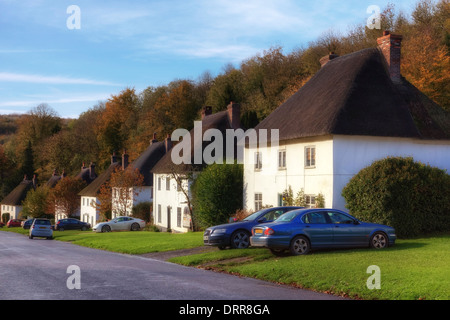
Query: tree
[64,196]
[35,204]
[126,185]
[217,193]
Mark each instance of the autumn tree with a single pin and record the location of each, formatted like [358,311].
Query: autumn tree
[35,204]
[126,185]
[64,196]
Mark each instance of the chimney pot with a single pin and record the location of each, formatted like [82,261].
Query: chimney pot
[324,60]
[92,174]
[113,158]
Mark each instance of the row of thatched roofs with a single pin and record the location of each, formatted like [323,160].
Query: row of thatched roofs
[362,93]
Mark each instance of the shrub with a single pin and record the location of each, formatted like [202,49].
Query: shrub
[411,197]
[217,194]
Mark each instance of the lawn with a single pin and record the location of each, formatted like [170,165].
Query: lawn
[412,269]
[127,242]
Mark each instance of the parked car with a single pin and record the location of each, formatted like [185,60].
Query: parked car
[41,228]
[71,224]
[13,223]
[120,223]
[2,224]
[27,223]
[237,234]
[300,231]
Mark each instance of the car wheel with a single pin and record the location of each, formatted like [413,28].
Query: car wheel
[222,247]
[49,238]
[135,227]
[60,229]
[379,240]
[83,228]
[240,239]
[106,229]
[300,245]
[30,237]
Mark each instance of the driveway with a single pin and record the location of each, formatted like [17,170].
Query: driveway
[42,269]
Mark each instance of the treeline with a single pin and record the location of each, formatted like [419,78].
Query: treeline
[40,141]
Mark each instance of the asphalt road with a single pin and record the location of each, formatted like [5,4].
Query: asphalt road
[38,269]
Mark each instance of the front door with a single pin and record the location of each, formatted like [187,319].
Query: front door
[168,218]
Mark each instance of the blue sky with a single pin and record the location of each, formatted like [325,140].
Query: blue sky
[140,43]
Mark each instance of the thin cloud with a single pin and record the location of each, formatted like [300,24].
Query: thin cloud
[33,78]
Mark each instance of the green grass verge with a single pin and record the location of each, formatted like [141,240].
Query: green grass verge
[126,241]
[412,269]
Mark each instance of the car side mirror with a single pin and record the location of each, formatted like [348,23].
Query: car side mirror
[262,220]
[355,222]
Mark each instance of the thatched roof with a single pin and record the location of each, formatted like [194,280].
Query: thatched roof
[16,197]
[354,95]
[221,121]
[148,159]
[93,189]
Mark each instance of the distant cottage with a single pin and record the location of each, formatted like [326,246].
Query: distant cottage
[356,109]
[11,206]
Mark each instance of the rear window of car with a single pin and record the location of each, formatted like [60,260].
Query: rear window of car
[42,222]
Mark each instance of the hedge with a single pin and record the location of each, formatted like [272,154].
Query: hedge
[412,197]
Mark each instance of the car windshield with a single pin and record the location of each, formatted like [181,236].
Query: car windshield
[43,222]
[253,216]
[287,217]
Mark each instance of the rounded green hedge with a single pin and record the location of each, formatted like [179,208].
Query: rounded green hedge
[411,197]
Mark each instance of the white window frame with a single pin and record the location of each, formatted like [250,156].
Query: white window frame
[310,157]
[258,161]
[258,201]
[310,200]
[282,159]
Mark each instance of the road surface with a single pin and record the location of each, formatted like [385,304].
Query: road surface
[41,269]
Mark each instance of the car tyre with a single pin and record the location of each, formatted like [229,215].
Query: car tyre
[379,240]
[60,229]
[106,229]
[83,228]
[299,246]
[30,237]
[135,227]
[278,252]
[240,239]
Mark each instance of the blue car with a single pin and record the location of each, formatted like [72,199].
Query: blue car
[237,234]
[299,231]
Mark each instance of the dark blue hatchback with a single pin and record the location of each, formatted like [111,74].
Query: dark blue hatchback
[237,234]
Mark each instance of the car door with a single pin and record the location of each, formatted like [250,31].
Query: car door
[346,230]
[318,229]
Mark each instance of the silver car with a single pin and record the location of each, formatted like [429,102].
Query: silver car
[120,224]
[41,228]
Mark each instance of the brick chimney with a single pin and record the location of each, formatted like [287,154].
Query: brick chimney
[324,60]
[168,143]
[154,140]
[234,114]
[390,46]
[92,174]
[206,111]
[113,158]
[125,158]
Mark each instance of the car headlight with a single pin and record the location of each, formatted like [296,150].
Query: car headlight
[215,231]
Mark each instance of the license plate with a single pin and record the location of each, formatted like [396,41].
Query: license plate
[205,238]
[258,231]
[41,227]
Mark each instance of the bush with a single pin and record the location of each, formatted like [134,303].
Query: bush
[411,197]
[217,194]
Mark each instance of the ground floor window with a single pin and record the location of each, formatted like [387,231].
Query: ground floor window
[310,201]
[258,201]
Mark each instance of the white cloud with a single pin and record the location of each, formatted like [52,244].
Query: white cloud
[41,79]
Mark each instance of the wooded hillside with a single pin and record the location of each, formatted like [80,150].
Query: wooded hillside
[40,141]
